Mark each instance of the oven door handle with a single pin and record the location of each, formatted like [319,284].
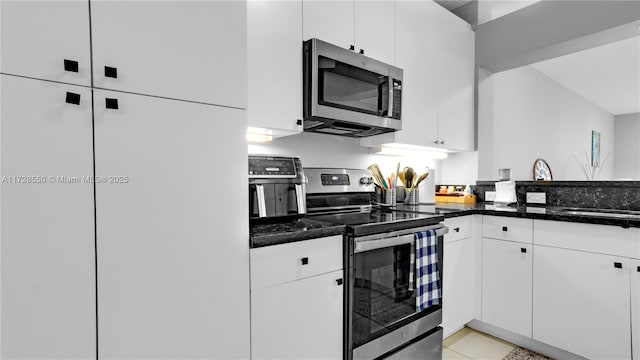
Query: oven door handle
[373,242]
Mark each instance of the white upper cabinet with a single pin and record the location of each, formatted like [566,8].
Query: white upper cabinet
[456,57]
[187,50]
[367,25]
[375,29]
[635,308]
[419,95]
[38,36]
[275,65]
[48,249]
[329,20]
[436,51]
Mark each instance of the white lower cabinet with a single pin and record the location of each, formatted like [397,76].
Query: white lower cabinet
[172,230]
[581,302]
[506,285]
[457,273]
[298,320]
[297,300]
[48,250]
[635,308]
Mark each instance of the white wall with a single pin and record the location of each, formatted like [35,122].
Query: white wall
[627,139]
[319,150]
[524,115]
[460,169]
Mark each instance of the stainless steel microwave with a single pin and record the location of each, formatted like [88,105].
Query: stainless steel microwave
[347,93]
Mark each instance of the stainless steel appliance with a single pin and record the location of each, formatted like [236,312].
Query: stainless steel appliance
[381,316]
[276,187]
[349,94]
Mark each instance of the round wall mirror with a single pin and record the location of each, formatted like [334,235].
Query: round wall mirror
[542,171]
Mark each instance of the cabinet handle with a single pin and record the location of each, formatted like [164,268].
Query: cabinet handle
[456,229]
[72,98]
[111,103]
[504,228]
[436,142]
[298,122]
[70,65]
[523,250]
[304,261]
[111,72]
[617,265]
[441,142]
[638,269]
[352,48]
[362,51]
[339,282]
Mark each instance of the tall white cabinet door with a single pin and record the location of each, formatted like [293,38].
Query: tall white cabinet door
[172,229]
[329,20]
[375,29]
[189,50]
[414,34]
[298,320]
[38,36]
[635,308]
[48,248]
[581,302]
[457,285]
[506,285]
[456,54]
[275,64]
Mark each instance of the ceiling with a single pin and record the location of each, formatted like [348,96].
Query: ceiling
[452,4]
[608,75]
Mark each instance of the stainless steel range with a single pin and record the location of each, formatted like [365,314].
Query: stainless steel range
[385,317]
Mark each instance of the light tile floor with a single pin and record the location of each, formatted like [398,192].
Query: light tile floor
[470,344]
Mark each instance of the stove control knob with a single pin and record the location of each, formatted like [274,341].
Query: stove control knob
[366,181]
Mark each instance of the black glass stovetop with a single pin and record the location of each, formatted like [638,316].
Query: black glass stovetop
[378,221]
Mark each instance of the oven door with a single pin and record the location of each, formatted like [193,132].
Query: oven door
[383,312]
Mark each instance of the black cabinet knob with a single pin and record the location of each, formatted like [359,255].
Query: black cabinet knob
[111,103]
[456,229]
[304,261]
[298,122]
[110,72]
[72,98]
[70,65]
[504,228]
[339,282]
[362,51]
[638,268]
[351,47]
[617,265]
[523,250]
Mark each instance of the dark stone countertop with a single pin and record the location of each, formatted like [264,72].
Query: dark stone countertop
[521,211]
[290,231]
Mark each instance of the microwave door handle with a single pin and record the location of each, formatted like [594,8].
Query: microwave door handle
[262,208]
[390,107]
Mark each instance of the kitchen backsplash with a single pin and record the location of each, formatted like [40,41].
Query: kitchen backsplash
[319,150]
[624,195]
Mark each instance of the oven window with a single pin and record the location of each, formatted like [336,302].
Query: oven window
[381,293]
[348,87]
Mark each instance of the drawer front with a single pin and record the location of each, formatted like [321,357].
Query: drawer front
[278,264]
[459,228]
[507,228]
[602,239]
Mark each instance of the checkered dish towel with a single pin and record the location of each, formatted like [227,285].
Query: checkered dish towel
[427,269]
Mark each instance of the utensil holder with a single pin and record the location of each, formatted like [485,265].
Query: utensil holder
[389,197]
[413,197]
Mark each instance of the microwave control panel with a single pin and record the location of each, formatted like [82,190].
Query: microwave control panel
[397,99]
